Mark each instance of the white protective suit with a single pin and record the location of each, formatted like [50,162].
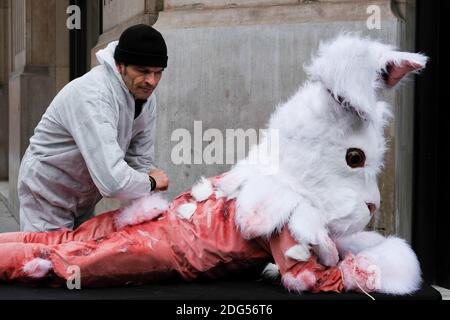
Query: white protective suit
[86,146]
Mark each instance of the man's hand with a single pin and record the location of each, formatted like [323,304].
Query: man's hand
[162,181]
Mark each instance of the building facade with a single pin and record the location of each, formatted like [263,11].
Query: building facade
[230,64]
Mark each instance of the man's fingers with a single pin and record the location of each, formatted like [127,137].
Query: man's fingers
[162,188]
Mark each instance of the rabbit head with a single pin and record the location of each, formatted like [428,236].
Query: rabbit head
[332,130]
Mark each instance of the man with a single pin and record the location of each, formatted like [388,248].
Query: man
[96,138]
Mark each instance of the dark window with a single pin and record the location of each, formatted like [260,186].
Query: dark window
[431,223]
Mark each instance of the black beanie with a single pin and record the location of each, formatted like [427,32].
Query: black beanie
[141,45]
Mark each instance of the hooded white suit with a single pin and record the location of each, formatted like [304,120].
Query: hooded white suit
[86,146]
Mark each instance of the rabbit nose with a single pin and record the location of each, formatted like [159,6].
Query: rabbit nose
[372,207]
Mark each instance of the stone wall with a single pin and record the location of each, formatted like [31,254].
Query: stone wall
[39,68]
[232,62]
[117,17]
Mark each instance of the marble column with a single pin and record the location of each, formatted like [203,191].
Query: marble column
[40,61]
[5,66]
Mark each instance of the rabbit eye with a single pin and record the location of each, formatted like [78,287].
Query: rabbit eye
[355,158]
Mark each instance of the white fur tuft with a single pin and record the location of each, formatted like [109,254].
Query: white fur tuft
[303,281]
[37,268]
[271,272]
[141,210]
[186,210]
[298,252]
[219,194]
[202,190]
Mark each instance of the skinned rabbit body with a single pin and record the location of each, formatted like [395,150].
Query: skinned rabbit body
[111,249]
[304,206]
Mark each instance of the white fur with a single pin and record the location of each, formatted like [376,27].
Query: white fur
[219,194]
[202,190]
[271,272]
[357,242]
[263,206]
[298,252]
[304,281]
[141,210]
[186,210]
[37,268]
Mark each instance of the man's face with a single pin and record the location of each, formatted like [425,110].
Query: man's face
[140,80]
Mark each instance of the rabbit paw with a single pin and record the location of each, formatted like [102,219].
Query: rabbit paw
[360,274]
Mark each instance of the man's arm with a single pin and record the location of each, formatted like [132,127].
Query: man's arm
[93,126]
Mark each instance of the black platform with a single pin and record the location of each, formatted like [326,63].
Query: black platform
[224,289]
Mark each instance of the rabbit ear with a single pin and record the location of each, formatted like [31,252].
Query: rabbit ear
[401,64]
